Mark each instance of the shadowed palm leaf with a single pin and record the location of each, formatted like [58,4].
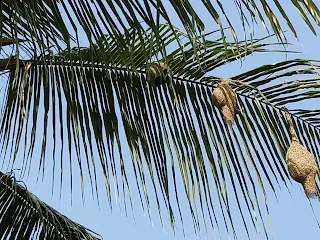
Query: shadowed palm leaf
[24,216]
[95,96]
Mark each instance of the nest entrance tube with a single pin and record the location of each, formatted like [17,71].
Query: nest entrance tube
[224,98]
[301,164]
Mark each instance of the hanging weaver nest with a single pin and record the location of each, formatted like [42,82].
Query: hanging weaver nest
[301,164]
[224,98]
[157,73]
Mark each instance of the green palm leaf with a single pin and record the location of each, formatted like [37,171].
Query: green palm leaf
[96,95]
[24,216]
[43,22]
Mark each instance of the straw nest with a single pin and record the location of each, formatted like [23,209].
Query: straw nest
[157,73]
[301,164]
[224,98]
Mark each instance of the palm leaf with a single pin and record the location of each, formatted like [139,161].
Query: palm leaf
[9,41]
[24,216]
[171,130]
[43,22]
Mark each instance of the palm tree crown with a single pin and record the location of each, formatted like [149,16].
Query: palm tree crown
[140,85]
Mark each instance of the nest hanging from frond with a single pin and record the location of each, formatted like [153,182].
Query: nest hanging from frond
[224,98]
[301,164]
[157,73]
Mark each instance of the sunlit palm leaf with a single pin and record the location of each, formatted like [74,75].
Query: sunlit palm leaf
[43,22]
[173,131]
[24,216]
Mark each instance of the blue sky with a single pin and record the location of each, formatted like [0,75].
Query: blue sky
[291,214]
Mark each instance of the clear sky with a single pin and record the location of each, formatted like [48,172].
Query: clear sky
[291,215]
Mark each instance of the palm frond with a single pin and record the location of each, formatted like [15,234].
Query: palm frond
[43,22]
[24,216]
[9,41]
[93,97]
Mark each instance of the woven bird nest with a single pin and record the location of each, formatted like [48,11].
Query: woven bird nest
[224,98]
[157,73]
[301,164]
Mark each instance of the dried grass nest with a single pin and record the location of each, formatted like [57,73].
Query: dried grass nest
[157,73]
[301,164]
[224,98]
